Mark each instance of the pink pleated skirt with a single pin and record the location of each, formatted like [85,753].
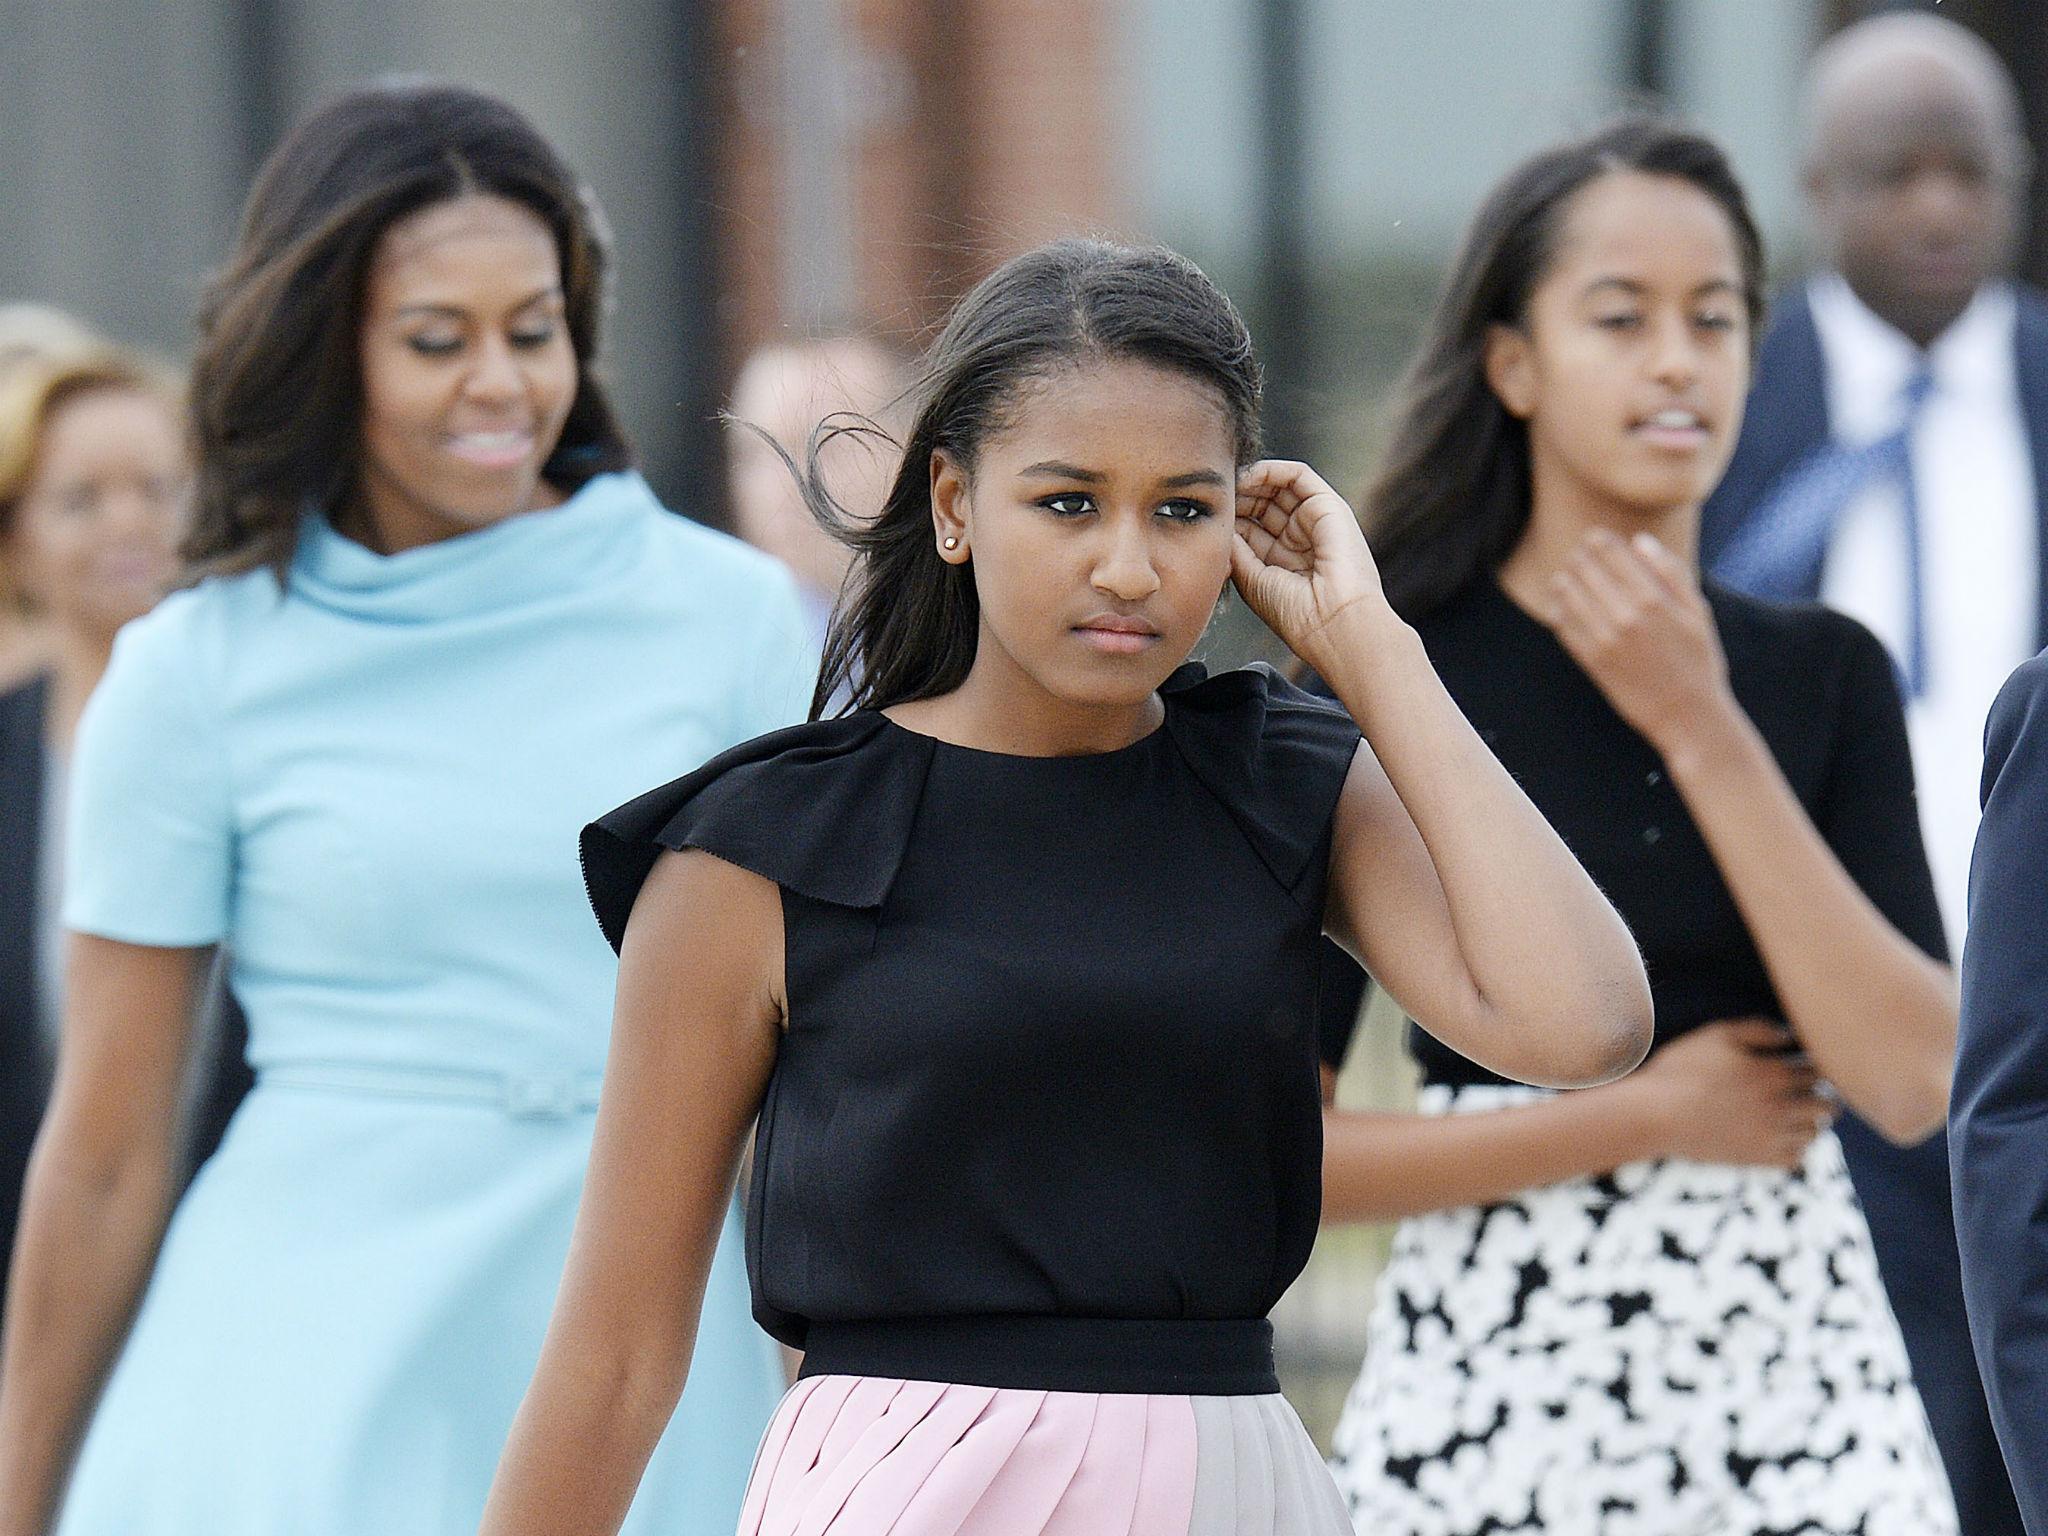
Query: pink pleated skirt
[870,1456]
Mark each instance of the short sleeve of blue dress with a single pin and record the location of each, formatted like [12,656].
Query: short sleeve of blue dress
[149,840]
[1051,1045]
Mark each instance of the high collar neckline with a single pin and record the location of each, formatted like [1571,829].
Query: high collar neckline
[530,558]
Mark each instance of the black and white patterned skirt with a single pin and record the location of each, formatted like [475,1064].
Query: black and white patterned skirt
[1673,1349]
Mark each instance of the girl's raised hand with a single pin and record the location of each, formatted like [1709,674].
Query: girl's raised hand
[1299,558]
[1632,615]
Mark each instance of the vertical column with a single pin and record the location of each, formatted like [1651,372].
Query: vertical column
[1285,293]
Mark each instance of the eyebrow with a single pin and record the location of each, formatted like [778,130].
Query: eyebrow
[459,312]
[1053,469]
[1630,286]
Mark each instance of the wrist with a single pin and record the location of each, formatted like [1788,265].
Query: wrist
[1354,652]
[1705,738]
[1641,1117]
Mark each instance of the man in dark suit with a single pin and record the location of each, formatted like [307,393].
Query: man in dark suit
[1999,1117]
[1894,463]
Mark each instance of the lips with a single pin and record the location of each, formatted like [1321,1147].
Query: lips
[499,448]
[1674,427]
[1117,634]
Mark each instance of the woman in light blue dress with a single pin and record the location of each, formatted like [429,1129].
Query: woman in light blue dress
[440,626]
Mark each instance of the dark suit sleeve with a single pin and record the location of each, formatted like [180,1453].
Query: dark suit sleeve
[1998,1134]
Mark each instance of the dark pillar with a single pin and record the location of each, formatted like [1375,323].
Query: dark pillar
[1646,34]
[1285,299]
[689,466]
[259,79]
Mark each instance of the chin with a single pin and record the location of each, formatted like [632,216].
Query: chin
[1654,498]
[481,496]
[1121,682]
[471,510]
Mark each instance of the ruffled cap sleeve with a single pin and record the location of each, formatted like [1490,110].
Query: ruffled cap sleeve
[1275,756]
[823,809]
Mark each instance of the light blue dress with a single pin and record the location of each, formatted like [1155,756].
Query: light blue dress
[370,789]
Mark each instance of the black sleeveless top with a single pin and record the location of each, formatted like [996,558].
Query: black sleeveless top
[1046,1112]
[1822,693]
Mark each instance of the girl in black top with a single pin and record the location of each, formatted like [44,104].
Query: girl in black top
[1016,961]
[1653,1306]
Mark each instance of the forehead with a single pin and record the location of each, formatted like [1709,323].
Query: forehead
[1909,95]
[466,243]
[114,421]
[1932,124]
[121,406]
[1642,227]
[1117,415]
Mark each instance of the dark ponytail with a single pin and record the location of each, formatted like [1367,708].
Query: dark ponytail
[1452,500]
[907,623]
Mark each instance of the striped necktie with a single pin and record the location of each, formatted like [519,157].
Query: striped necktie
[1781,548]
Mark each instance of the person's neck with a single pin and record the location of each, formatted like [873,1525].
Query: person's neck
[78,661]
[999,708]
[1558,525]
[385,521]
[1922,329]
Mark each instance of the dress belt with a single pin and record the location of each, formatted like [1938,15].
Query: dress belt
[1221,1357]
[522,1095]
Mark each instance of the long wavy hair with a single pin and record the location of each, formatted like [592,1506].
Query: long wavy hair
[1452,499]
[907,623]
[276,384]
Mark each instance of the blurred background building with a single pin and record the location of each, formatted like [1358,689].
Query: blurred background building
[775,168]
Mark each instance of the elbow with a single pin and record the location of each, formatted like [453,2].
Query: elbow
[1610,1040]
[100,1162]
[1915,1108]
[1911,1099]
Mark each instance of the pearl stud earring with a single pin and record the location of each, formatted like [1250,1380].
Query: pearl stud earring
[952,542]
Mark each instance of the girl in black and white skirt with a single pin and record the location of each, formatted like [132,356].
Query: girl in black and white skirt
[1652,1308]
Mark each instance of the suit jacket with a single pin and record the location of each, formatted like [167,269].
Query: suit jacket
[1787,418]
[1998,1129]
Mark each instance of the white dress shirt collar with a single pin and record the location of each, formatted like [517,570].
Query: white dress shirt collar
[1870,359]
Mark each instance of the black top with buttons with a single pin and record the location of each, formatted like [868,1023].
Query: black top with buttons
[1046,1112]
[1822,693]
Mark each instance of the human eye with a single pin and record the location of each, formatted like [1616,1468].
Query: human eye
[1618,320]
[1185,511]
[530,338]
[1069,504]
[434,343]
[1714,320]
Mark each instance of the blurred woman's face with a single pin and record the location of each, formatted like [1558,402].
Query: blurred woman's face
[468,372]
[93,541]
[1632,361]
